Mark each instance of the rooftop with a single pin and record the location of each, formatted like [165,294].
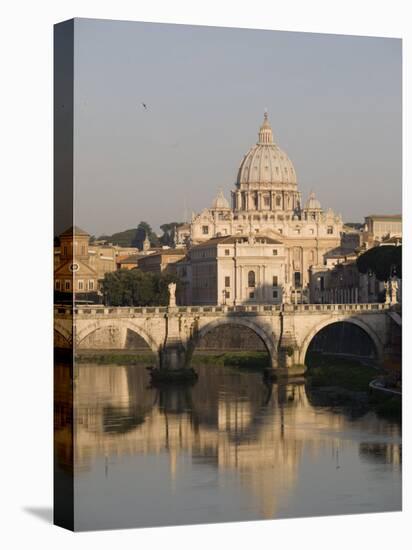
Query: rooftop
[232,239]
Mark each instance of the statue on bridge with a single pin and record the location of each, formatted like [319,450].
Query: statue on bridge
[287,294]
[172,294]
[391,291]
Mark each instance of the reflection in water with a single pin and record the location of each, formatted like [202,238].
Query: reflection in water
[229,448]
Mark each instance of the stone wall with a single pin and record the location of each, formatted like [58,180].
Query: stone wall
[113,339]
[231,337]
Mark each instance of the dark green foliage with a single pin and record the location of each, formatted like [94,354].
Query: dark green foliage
[123,238]
[249,360]
[133,237]
[384,261]
[143,230]
[344,373]
[107,358]
[167,239]
[136,288]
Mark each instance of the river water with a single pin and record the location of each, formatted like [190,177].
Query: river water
[228,449]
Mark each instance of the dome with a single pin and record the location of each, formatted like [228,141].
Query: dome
[265,162]
[312,203]
[220,201]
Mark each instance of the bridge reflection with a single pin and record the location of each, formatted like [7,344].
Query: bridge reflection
[231,421]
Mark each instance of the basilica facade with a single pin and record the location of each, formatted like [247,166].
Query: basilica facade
[266,202]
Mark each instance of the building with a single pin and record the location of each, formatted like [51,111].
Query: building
[380,227]
[79,266]
[339,280]
[234,270]
[162,260]
[73,273]
[266,201]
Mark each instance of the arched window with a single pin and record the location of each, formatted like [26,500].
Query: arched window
[277,201]
[251,278]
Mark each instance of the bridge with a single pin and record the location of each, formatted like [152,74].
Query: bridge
[173,333]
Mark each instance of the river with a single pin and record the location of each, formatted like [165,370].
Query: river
[230,448]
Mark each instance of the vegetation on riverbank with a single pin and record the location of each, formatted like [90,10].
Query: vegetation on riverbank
[342,381]
[116,358]
[345,373]
[255,360]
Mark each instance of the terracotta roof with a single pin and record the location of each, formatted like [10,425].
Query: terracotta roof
[130,259]
[165,252]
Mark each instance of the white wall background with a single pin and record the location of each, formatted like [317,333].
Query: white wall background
[26,272]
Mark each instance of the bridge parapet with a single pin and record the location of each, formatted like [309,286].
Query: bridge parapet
[341,308]
[103,311]
[172,332]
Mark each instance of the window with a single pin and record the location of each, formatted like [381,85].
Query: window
[275,293]
[67,285]
[330,230]
[227,294]
[91,285]
[251,279]
[80,285]
[266,201]
[275,280]
[278,199]
[205,230]
[251,295]
[57,285]
[275,252]
[227,252]
[227,281]
[297,279]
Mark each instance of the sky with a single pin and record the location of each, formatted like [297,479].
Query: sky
[334,103]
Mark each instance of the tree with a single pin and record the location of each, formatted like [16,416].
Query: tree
[167,239]
[143,230]
[383,261]
[137,288]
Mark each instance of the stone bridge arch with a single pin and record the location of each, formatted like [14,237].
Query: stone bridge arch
[62,335]
[332,320]
[268,338]
[92,326]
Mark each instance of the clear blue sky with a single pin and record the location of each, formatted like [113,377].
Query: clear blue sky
[334,103]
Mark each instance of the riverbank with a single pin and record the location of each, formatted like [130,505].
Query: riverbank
[251,360]
[340,381]
[110,357]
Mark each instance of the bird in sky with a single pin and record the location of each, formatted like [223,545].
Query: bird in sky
[144,106]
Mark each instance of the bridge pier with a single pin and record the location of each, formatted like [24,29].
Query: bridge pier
[172,354]
[286,364]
